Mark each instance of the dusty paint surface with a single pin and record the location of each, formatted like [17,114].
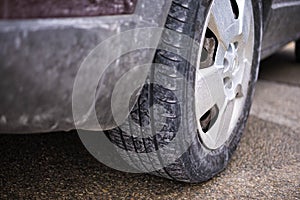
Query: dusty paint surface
[15,9]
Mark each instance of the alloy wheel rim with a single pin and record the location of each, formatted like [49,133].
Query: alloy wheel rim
[223,70]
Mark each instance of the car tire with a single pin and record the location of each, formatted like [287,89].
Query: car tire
[177,117]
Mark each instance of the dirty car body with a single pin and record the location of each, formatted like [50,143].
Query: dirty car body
[43,45]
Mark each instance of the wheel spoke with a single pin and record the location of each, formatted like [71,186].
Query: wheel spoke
[210,90]
[225,30]
[220,54]
[223,123]
[243,23]
[244,74]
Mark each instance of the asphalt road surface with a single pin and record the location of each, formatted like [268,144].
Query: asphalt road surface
[265,166]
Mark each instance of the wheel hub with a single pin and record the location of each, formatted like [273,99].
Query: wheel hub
[230,68]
